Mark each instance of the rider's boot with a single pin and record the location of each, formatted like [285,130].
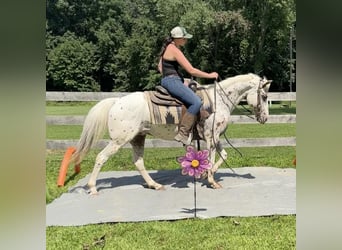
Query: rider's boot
[185,127]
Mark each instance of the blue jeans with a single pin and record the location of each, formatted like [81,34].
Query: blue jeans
[177,89]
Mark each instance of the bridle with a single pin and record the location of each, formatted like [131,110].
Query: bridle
[261,97]
[260,93]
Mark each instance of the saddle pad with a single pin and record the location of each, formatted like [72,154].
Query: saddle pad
[161,114]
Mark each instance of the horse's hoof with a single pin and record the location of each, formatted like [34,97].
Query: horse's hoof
[155,186]
[216,185]
[161,188]
[93,191]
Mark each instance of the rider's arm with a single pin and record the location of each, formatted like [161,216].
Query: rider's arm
[160,65]
[186,65]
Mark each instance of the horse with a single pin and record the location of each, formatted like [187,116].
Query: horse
[129,119]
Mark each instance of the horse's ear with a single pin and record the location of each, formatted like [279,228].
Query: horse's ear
[267,83]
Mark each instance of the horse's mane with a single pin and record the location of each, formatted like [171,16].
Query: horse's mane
[239,78]
[234,79]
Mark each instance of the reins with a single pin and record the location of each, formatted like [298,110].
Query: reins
[235,106]
[213,133]
[214,115]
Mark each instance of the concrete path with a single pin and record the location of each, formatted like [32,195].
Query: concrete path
[250,191]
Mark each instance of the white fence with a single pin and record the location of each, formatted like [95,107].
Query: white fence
[97,96]
[237,119]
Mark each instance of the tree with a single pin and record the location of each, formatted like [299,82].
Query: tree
[72,65]
[135,66]
[114,44]
[269,48]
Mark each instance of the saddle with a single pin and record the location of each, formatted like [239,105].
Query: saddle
[161,97]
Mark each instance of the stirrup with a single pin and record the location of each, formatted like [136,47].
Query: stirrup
[183,139]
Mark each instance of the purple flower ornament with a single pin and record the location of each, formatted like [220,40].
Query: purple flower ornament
[194,163]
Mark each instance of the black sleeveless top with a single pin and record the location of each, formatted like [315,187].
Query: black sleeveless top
[170,67]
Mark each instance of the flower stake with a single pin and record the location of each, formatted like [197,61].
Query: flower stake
[194,163]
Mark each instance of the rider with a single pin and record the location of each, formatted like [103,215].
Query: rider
[171,57]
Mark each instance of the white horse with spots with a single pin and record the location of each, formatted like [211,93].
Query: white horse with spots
[128,119]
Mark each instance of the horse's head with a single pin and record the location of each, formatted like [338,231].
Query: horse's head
[257,98]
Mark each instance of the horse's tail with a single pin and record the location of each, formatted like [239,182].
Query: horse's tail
[94,128]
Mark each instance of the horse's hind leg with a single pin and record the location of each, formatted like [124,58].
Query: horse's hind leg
[101,158]
[138,143]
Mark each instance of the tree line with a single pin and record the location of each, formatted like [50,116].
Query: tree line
[113,45]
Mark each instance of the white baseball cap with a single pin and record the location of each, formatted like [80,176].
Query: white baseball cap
[180,32]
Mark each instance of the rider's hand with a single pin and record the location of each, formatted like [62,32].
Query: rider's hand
[213,75]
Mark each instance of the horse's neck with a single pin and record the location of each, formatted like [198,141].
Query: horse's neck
[231,93]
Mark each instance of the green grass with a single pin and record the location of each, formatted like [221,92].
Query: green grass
[261,130]
[82,108]
[68,108]
[73,132]
[275,232]
[279,108]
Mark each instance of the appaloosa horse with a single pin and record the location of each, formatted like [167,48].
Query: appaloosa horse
[131,117]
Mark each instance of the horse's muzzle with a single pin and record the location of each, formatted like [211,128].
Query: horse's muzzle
[262,119]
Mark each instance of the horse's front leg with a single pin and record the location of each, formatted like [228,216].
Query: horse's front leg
[138,144]
[210,172]
[223,156]
[212,136]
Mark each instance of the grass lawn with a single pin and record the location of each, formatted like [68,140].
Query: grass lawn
[275,232]
[73,132]
[82,108]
